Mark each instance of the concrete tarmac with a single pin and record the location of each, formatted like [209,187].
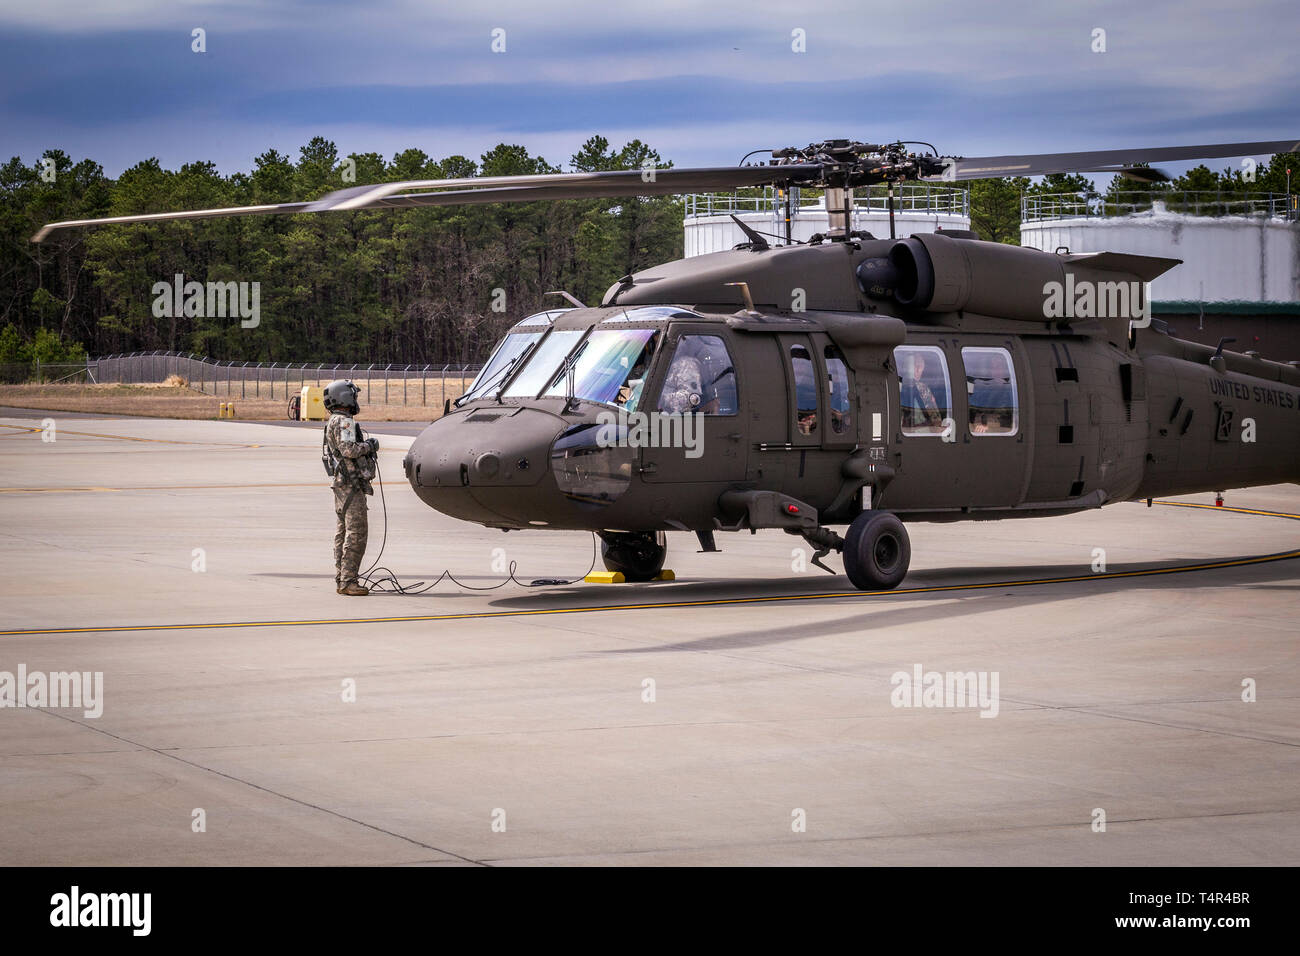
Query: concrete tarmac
[700,721]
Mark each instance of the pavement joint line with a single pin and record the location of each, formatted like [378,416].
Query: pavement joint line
[156,441]
[29,430]
[804,839]
[715,602]
[257,786]
[99,488]
[1131,718]
[1025,707]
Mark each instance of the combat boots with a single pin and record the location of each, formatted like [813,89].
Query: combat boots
[355,590]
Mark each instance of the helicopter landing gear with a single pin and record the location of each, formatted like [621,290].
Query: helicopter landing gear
[876,551]
[638,554]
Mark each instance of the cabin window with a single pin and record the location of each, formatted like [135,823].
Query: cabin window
[925,398]
[805,390]
[701,378]
[839,390]
[991,391]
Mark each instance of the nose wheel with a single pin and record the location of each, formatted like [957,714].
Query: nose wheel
[876,551]
[639,555]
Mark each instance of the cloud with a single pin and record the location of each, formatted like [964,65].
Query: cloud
[701,83]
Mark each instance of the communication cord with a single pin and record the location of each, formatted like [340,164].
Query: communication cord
[383,580]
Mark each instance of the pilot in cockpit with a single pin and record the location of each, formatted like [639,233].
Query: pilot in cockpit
[629,393]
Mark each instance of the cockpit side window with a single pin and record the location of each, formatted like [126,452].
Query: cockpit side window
[701,378]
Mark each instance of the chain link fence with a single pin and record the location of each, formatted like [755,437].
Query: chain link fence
[44,373]
[379,384]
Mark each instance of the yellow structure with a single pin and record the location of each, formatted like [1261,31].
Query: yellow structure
[313,404]
[617,577]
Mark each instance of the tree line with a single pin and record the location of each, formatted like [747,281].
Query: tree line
[429,285]
[432,285]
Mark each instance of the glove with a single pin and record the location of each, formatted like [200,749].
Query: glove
[374,445]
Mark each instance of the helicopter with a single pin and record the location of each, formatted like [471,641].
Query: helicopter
[847,382]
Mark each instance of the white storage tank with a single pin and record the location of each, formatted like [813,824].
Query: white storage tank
[1240,272]
[1252,256]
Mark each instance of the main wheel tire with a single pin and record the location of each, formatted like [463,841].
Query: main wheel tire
[638,555]
[876,551]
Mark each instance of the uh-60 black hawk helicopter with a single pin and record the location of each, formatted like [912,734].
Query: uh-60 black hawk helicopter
[849,380]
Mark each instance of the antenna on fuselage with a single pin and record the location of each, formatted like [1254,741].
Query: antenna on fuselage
[749,299]
[568,297]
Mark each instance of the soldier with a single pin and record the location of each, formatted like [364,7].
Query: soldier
[350,459]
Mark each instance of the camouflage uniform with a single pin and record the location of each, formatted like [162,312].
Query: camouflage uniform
[924,410]
[356,467]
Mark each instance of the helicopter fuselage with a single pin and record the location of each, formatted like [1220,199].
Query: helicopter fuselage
[824,395]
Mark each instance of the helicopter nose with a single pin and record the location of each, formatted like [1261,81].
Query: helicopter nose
[485,448]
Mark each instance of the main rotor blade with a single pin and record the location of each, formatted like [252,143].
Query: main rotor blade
[288,207]
[495,189]
[989,167]
[1145,174]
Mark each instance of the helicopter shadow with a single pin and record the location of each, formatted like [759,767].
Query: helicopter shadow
[974,591]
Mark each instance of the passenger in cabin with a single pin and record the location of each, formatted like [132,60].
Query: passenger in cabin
[919,407]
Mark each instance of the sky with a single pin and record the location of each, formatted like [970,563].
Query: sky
[703,83]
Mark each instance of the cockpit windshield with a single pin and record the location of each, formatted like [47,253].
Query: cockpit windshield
[500,365]
[610,367]
[541,367]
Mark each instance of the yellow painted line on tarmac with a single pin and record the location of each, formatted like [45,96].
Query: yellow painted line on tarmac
[1240,511]
[717,602]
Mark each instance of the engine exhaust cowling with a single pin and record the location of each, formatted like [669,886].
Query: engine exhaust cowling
[935,273]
